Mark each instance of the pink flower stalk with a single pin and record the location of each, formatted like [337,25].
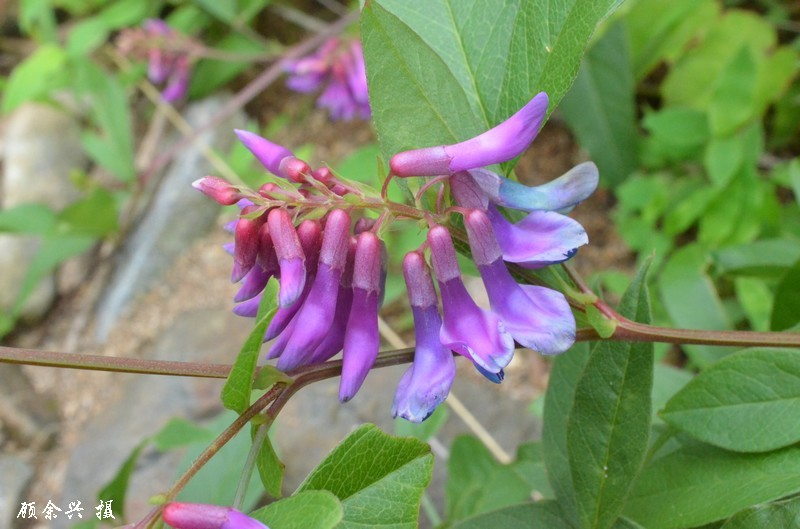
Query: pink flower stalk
[204,516]
[500,144]
[338,68]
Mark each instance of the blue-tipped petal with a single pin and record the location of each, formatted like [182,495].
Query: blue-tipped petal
[540,239]
[427,382]
[361,342]
[492,377]
[564,192]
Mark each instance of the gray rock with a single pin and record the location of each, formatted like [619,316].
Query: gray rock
[177,217]
[14,477]
[40,149]
[146,404]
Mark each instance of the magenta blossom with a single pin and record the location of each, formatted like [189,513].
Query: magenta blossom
[337,67]
[204,516]
[166,65]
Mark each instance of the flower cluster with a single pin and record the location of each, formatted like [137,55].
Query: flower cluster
[338,66]
[204,516]
[168,60]
[332,270]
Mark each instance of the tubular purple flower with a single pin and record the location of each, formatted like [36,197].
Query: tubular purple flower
[178,82]
[467,329]
[541,238]
[247,242]
[499,144]
[427,382]
[159,64]
[269,154]
[310,235]
[217,189]
[357,78]
[297,342]
[253,283]
[362,340]
[334,339]
[562,193]
[536,317]
[290,256]
[204,516]
[308,73]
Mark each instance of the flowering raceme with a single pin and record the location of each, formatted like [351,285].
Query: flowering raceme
[332,270]
[338,66]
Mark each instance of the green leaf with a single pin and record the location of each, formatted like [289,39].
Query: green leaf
[765,258]
[443,71]
[691,300]
[695,77]
[478,483]
[378,478]
[219,478]
[95,214]
[540,515]
[116,489]
[747,402]
[786,310]
[34,219]
[270,468]
[112,145]
[755,297]
[180,432]
[33,77]
[733,101]
[313,509]
[779,515]
[667,381]
[268,376]
[723,158]
[558,404]
[238,386]
[659,31]
[225,11]
[692,483]
[599,107]
[609,424]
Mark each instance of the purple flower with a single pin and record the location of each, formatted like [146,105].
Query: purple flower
[502,143]
[362,341]
[334,339]
[204,516]
[165,65]
[269,154]
[537,317]
[247,242]
[339,68]
[426,383]
[542,237]
[467,329]
[308,328]
[290,256]
[218,189]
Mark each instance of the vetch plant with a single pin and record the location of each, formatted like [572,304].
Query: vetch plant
[458,93]
[348,277]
